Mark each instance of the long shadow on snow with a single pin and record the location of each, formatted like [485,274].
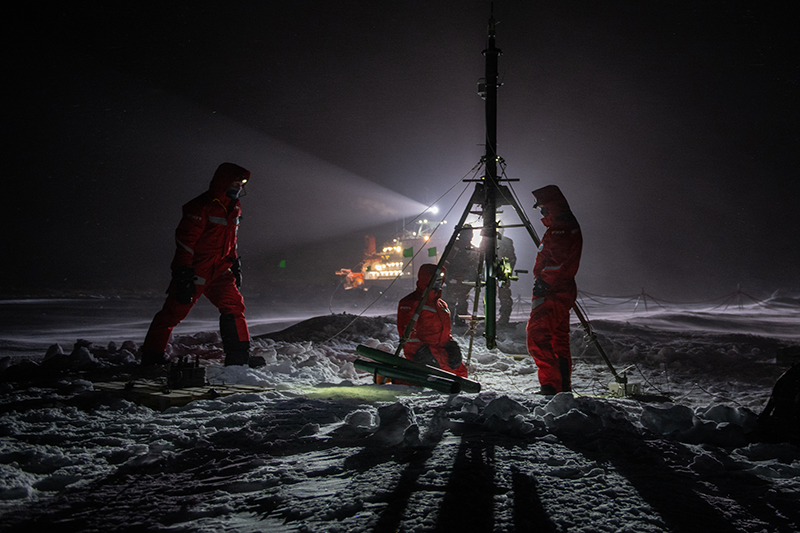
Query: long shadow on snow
[156,493]
[660,470]
[468,502]
[474,480]
[390,518]
[471,480]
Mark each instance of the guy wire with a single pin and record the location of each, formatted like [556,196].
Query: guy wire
[474,170]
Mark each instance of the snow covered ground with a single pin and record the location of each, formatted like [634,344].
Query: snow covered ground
[325,450]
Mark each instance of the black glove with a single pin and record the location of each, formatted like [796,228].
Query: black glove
[425,356]
[540,287]
[236,269]
[183,278]
[453,354]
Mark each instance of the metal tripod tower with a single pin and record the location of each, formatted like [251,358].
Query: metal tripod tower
[490,194]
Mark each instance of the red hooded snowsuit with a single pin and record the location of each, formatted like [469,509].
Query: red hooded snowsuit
[206,241]
[556,265]
[432,329]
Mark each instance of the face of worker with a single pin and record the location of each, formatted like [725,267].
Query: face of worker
[437,284]
[235,189]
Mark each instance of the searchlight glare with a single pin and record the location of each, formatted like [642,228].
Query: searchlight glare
[476,240]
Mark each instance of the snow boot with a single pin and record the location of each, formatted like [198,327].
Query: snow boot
[256,361]
[150,358]
[237,352]
[566,371]
[547,390]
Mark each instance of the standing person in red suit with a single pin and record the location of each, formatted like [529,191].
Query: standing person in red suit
[554,291]
[430,342]
[206,263]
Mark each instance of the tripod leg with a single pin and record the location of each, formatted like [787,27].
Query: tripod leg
[474,318]
[410,326]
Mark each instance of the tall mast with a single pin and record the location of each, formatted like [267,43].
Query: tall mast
[490,185]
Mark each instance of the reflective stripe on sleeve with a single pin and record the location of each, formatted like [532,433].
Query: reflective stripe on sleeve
[537,302]
[429,308]
[557,267]
[218,220]
[199,281]
[179,243]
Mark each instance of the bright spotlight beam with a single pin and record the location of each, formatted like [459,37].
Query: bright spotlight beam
[295,197]
[312,198]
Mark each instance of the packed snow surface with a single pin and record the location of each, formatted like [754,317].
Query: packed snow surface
[321,448]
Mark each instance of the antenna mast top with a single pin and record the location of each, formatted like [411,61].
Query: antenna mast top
[490,182]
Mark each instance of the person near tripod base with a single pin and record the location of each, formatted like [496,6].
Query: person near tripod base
[462,272]
[505,249]
[206,263]
[554,291]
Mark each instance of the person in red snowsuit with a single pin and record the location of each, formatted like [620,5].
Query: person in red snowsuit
[430,342]
[206,263]
[554,291]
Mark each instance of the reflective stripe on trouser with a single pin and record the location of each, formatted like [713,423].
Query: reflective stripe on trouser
[221,291]
[548,340]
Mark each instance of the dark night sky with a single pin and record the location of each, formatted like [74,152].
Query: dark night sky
[672,128]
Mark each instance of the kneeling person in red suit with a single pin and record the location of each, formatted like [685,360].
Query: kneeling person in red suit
[430,342]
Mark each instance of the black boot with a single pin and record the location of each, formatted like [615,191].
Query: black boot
[256,361]
[237,352]
[150,358]
[566,378]
[546,390]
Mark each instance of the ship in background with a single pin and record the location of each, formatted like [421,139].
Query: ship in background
[397,260]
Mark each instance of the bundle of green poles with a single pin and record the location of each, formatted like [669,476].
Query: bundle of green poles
[391,366]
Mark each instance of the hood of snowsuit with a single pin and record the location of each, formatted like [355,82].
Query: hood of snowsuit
[424,276]
[226,174]
[554,201]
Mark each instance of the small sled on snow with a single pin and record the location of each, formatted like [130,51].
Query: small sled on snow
[181,383]
[156,395]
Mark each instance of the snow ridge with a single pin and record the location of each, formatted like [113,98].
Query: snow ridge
[326,450]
